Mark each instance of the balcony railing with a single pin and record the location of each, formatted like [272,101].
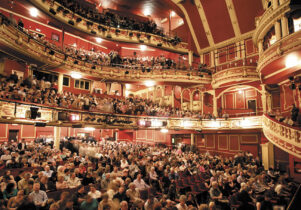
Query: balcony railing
[111,33]
[20,41]
[17,112]
[236,74]
[268,19]
[283,136]
[282,47]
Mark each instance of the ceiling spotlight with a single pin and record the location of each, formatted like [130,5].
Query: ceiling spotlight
[98,40]
[149,83]
[172,13]
[34,12]
[76,75]
[147,12]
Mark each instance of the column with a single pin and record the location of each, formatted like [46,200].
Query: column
[243,49]
[108,86]
[60,83]
[57,137]
[91,86]
[201,58]
[214,105]
[2,66]
[190,57]
[212,58]
[260,46]
[263,99]
[238,50]
[275,4]
[192,139]
[277,30]
[123,90]
[215,58]
[284,26]
[267,155]
[202,102]
[191,101]
[173,98]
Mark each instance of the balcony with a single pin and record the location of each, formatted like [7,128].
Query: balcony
[111,33]
[17,112]
[17,42]
[265,22]
[234,74]
[283,136]
[277,52]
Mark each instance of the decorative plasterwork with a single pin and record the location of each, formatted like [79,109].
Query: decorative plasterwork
[284,137]
[205,22]
[268,19]
[233,17]
[246,73]
[282,47]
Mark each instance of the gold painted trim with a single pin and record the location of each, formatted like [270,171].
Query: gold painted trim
[252,142]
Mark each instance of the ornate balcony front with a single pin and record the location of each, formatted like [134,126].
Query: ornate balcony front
[17,41]
[17,112]
[106,32]
[233,75]
[283,136]
[265,22]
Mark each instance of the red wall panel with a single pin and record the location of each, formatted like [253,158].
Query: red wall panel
[234,143]
[28,131]
[240,100]
[222,142]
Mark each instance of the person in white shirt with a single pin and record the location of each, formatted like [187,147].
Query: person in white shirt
[73,181]
[182,205]
[123,163]
[6,156]
[94,193]
[140,183]
[47,171]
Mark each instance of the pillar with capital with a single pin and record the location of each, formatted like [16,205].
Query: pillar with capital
[284,26]
[277,30]
[192,142]
[57,137]
[264,95]
[260,46]
[60,83]
[190,57]
[202,102]
[215,105]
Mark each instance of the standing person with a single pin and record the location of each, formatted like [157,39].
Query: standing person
[295,112]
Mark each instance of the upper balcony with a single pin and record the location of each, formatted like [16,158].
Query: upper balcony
[78,22]
[22,44]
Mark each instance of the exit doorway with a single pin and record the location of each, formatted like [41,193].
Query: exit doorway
[13,135]
[252,106]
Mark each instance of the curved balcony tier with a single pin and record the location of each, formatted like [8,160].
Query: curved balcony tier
[16,42]
[265,22]
[272,62]
[16,112]
[105,32]
[283,136]
[233,75]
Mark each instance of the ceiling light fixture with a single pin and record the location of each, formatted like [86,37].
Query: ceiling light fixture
[34,12]
[98,40]
[172,14]
[149,83]
[143,47]
[291,61]
[89,129]
[164,130]
[76,75]
[147,12]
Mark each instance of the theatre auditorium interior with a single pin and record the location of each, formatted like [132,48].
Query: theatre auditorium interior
[150,104]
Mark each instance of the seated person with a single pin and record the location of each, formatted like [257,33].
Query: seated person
[61,183]
[93,192]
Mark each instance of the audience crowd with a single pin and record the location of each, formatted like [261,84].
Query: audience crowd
[111,19]
[115,175]
[45,93]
